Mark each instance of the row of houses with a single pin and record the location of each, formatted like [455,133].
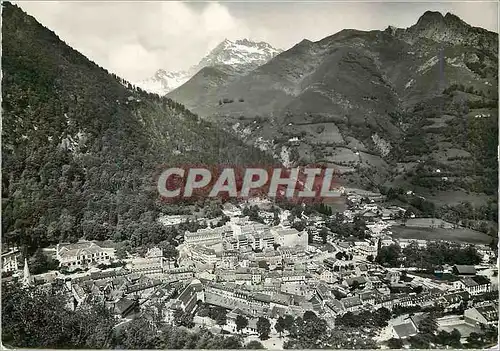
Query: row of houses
[247,235]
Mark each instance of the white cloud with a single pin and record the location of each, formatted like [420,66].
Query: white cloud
[134,39]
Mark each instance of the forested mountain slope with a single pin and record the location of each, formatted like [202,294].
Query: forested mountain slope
[80,146]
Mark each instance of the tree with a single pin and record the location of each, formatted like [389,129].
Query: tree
[263,264]
[280,325]
[449,339]
[203,310]
[241,323]
[406,215]
[121,252]
[355,285]
[312,330]
[382,316]
[183,319]
[138,334]
[418,342]
[418,289]
[404,276]
[288,322]
[41,263]
[218,314]
[254,345]
[263,328]
[475,340]
[394,343]
[276,216]
[37,317]
[169,250]
[370,258]
[428,325]
[389,255]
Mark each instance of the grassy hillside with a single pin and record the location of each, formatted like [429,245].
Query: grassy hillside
[80,146]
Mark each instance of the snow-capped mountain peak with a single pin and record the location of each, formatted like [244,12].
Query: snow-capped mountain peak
[241,55]
[164,81]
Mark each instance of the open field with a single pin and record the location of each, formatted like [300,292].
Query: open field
[461,235]
[453,197]
[463,328]
[428,223]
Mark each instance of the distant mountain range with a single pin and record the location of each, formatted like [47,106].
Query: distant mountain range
[383,106]
[240,57]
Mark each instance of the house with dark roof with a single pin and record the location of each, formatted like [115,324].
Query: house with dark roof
[361,269]
[371,215]
[387,301]
[125,307]
[368,297]
[474,285]
[352,304]
[463,270]
[329,262]
[231,321]
[359,282]
[316,302]
[232,297]
[179,274]
[189,296]
[323,291]
[404,330]
[334,306]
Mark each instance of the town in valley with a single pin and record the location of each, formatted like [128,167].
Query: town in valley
[262,272]
[147,146]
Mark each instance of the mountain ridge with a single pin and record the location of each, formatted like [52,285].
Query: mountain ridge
[239,56]
[347,99]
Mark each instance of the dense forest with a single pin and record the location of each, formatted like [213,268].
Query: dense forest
[81,147]
[433,255]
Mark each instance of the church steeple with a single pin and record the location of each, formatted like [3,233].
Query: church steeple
[27,278]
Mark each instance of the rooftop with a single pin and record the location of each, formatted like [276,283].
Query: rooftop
[405,330]
[489,312]
[465,269]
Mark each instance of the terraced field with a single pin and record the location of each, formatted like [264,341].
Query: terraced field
[461,235]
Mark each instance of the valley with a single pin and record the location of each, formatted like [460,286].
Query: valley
[152,214]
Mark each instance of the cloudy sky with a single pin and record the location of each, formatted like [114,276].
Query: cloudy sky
[135,38]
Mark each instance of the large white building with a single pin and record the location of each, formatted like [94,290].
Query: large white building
[207,236]
[83,254]
[203,254]
[10,260]
[289,237]
[248,228]
[365,248]
[473,285]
